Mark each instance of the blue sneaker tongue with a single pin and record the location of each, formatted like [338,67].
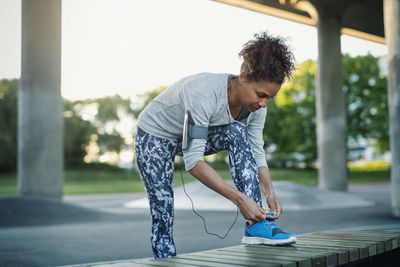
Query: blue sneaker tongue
[270,224]
[273,227]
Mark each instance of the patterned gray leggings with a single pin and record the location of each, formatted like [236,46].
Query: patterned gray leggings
[155,160]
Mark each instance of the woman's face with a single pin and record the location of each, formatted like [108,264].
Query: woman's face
[256,95]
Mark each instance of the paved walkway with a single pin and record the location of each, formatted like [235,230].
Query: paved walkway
[102,228]
[293,197]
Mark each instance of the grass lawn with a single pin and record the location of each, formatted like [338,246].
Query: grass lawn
[98,182]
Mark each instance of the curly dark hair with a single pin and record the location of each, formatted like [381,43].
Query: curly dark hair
[267,58]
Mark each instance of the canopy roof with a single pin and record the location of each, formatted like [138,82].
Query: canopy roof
[360,18]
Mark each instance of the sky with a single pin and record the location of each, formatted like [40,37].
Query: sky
[128,47]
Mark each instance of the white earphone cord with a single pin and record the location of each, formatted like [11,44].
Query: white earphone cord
[204,221]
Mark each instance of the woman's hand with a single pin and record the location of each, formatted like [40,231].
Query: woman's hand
[269,191]
[208,176]
[251,210]
[274,205]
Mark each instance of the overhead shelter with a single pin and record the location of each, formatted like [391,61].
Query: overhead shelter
[367,19]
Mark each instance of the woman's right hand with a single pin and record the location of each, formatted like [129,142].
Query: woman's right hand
[251,210]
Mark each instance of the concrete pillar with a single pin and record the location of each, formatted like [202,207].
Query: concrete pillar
[392,34]
[331,120]
[40,107]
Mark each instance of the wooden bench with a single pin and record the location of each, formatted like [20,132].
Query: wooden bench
[328,248]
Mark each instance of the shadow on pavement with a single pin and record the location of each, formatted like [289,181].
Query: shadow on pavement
[29,211]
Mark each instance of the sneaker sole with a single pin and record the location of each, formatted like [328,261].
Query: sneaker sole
[248,240]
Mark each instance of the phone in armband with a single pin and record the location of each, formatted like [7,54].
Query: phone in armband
[185,136]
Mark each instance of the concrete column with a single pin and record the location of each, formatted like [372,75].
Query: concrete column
[331,121]
[40,107]
[392,34]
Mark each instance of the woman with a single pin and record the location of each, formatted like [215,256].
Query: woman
[206,113]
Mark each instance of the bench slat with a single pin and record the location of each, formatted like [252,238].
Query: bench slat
[384,241]
[354,253]
[237,260]
[193,262]
[364,250]
[327,248]
[301,261]
[153,262]
[257,258]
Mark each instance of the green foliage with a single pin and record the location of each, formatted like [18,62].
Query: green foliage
[371,166]
[77,132]
[112,108]
[291,122]
[108,112]
[366,99]
[77,128]
[110,142]
[8,124]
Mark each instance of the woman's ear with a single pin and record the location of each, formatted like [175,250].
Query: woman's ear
[243,77]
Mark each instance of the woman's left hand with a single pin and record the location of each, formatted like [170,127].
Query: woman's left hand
[268,190]
[274,205]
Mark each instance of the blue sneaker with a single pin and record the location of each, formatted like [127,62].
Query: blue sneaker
[268,233]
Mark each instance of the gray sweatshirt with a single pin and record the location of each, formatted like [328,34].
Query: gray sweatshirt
[205,95]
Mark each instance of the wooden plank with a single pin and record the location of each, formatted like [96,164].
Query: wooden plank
[260,258]
[327,248]
[395,236]
[123,264]
[354,253]
[293,252]
[391,238]
[342,255]
[364,250]
[195,262]
[381,245]
[299,261]
[395,241]
[356,250]
[238,261]
[154,262]
[388,243]
[250,257]
[316,259]
[385,233]
[364,232]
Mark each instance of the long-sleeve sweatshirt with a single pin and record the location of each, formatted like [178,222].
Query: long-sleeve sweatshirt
[205,95]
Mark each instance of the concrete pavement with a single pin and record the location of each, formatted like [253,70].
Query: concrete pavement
[293,197]
[101,228]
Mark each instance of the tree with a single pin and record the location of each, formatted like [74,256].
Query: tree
[78,128]
[366,98]
[291,123]
[77,132]
[8,124]
[101,117]
[110,112]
